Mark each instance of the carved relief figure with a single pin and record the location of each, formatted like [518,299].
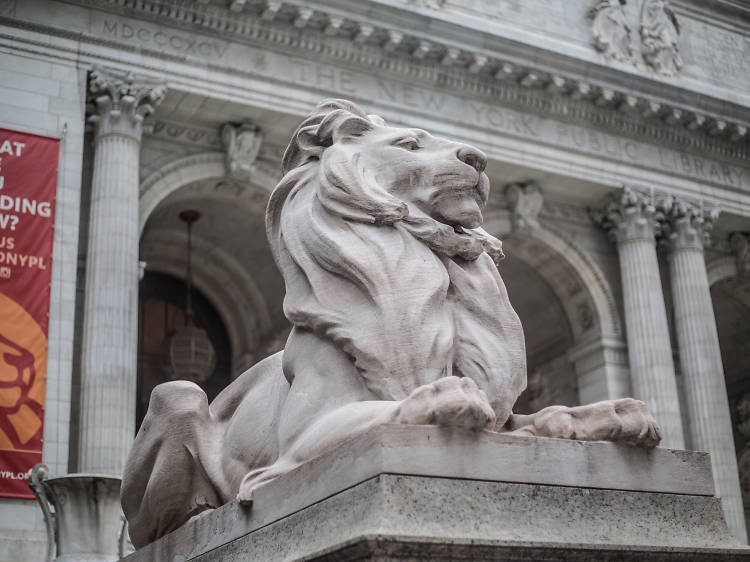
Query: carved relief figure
[610,29]
[399,316]
[242,145]
[659,33]
[525,201]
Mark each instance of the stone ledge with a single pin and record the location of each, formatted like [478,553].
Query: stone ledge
[433,484]
[490,519]
[406,549]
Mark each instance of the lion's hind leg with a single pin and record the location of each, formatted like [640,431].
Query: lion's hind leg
[166,482]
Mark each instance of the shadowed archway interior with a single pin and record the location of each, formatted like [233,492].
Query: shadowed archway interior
[160,312]
[551,378]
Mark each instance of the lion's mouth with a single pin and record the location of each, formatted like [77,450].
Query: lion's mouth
[462,191]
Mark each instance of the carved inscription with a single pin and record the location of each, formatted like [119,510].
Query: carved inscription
[409,96]
[600,143]
[325,76]
[504,119]
[700,168]
[161,38]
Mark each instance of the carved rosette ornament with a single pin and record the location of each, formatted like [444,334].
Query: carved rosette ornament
[241,144]
[525,201]
[120,102]
[611,30]
[659,32]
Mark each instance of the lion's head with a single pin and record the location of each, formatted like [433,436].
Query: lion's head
[376,231]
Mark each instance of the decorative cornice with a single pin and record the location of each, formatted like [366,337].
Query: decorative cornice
[293,27]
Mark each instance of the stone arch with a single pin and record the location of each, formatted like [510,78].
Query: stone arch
[219,276]
[185,171]
[721,268]
[225,284]
[599,353]
[591,278]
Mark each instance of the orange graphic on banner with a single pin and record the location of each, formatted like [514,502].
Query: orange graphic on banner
[23,361]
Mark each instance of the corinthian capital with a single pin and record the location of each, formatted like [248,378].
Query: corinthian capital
[628,214]
[687,225]
[121,101]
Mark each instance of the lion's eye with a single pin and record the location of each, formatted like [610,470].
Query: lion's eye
[408,144]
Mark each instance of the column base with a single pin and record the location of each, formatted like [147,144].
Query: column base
[426,493]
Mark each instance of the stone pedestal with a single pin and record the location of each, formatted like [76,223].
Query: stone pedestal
[428,493]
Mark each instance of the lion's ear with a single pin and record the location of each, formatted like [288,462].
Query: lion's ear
[352,126]
[341,124]
[308,140]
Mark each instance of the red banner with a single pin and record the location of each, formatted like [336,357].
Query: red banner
[28,182]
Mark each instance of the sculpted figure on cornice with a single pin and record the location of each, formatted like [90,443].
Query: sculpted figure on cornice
[659,32]
[242,145]
[525,201]
[611,30]
[611,25]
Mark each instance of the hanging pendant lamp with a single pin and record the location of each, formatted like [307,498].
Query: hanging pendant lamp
[187,353]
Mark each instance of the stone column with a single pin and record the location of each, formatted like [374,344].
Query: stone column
[710,423]
[633,222]
[110,339]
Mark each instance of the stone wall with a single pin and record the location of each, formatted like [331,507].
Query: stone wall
[41,95]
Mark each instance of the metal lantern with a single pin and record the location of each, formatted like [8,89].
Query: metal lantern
[187,352]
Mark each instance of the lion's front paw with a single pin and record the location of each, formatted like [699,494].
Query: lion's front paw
[625,420]
[450,401]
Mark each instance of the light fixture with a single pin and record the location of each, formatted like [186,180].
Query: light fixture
[187,353]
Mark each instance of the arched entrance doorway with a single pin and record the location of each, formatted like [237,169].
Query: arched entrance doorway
[161,311]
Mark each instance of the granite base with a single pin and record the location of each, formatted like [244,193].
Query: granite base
[425,493]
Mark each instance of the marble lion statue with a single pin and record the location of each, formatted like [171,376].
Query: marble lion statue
[399,316]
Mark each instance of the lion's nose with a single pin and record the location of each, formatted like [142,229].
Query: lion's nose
[473,157]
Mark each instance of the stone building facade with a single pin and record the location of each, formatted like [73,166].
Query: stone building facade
[617,134]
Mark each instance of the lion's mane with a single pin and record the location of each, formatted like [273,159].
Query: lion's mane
[409,299]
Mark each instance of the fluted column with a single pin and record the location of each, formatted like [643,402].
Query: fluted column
[706,399]
[632,221]
[110,338]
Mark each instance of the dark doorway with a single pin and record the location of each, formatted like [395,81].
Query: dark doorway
[161,307]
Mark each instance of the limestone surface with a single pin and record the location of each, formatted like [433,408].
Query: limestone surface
[400,316]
